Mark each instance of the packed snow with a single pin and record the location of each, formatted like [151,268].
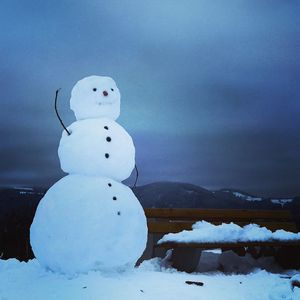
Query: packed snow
[98,147]
[204,232]
[88,220]
[29,281]
[88,223]
[95,97]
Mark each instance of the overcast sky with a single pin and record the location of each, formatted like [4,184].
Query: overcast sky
[210,89]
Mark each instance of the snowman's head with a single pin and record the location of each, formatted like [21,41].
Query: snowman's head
[95,97]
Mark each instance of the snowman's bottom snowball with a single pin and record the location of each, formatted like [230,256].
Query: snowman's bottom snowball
[88,223]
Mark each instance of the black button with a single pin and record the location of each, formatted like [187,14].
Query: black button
[114,198]
[108,138]
[106,155]
[119,213]
[105,127]
[109,184]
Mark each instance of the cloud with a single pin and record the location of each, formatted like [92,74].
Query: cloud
[211,86]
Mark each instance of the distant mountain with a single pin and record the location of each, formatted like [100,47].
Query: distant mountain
[163,194]
[173,194]
[176,194]
[23,201]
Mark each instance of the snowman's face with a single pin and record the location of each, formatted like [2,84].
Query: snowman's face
[95,97]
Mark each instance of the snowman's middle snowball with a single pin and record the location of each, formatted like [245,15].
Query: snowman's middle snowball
[97,147]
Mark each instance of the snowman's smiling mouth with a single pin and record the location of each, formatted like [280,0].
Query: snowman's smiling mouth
[104,103]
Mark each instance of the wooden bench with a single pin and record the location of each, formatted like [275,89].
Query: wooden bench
[186,256]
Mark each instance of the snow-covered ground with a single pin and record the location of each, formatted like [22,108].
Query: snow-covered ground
[28,281]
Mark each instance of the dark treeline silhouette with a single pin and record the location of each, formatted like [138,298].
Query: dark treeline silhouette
[17,209]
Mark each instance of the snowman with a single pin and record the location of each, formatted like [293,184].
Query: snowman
[89,220]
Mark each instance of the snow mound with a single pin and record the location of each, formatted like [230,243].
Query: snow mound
[88,223]
[97,147]
[204,232]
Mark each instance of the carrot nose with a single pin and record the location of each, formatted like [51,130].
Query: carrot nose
[105,93]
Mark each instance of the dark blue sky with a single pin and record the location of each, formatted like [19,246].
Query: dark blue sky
[210,89]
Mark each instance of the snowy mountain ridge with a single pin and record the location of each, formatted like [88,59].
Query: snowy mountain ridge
[282,201]
[170,194]
[242,195]
[175,194]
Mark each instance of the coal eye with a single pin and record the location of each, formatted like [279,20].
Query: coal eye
[94,89]
[112,90]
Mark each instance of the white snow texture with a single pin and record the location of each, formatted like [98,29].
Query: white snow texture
[95,97]
[97,147]
[88,223]
[204,232]
[88,220]
[28,281]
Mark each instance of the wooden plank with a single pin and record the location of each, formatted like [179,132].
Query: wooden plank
[171,245]
[166,227]
[221,214]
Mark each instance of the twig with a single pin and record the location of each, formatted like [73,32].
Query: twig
[199,283]
[57,114]
[137,175]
